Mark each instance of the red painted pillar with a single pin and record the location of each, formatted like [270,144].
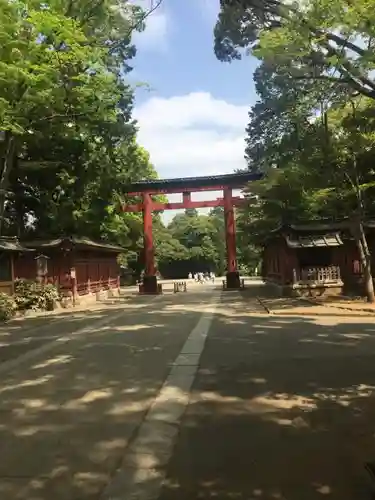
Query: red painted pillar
[233,277]
[149,279]
[186,198]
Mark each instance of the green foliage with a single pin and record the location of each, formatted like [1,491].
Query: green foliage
[30,295]
[196,243]
[7,307]
[314,39]
[316,167]
[70,146]
[312,130]
[48,68]
[191,243]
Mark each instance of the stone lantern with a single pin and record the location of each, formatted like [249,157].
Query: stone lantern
[41,267]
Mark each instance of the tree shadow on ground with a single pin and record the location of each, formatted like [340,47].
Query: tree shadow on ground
[283,407]
[67,417]
[23,335]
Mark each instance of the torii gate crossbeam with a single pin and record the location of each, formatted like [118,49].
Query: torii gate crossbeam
[186,186]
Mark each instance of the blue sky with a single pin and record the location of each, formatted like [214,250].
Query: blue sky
[193,116]
[175,54]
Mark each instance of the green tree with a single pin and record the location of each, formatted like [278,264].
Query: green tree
[187,244]
[331,41]
[50,72]
[63,97]
[315,167]
[317,58]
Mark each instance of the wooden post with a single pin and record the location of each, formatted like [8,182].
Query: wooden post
[233,278]
[149,279]
[73,281]
[12,274]
[186,198]
[294,276]
[88,283]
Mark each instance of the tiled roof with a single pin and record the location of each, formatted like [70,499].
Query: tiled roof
[321,226]
[11,244]
[193,182]
[79,242]
[322,240]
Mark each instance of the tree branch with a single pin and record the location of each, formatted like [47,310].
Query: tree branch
[59,115]
[137,24]
[321,77]
[283,12]
[352,74]
[342,42]
[358,81]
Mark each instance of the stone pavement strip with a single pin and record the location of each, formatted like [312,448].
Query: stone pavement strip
[141,475]
[70,415]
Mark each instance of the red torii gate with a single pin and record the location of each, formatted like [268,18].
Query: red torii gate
[186,186]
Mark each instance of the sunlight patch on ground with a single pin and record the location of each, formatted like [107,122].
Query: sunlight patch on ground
[258,380]
[134,328]
[32,430]
[89,397]
[323,489]
[283,401]
[355,336]
[34,403]
[126,408]
[57,360]
[267,403]
[351,393]
[31,405]
[27,383]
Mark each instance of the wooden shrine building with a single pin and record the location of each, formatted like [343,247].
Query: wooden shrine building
[148,188]
[315,259]
[10,251]
[77,266]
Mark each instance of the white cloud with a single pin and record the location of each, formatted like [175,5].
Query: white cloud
[192,135]
[155,35]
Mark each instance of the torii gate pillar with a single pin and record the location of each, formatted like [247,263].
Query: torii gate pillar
[150,284]
[233,276]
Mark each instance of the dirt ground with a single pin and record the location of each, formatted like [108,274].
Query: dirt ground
[283,407]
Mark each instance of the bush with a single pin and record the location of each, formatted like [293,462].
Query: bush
[7,307]
[48,295]
[31,295]
[24,294]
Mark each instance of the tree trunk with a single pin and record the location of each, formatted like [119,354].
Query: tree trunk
[7,164]
[365,259]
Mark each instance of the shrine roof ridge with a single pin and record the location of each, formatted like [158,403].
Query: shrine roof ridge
[320,226]
[234,179]
[80,242]
[12,244]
